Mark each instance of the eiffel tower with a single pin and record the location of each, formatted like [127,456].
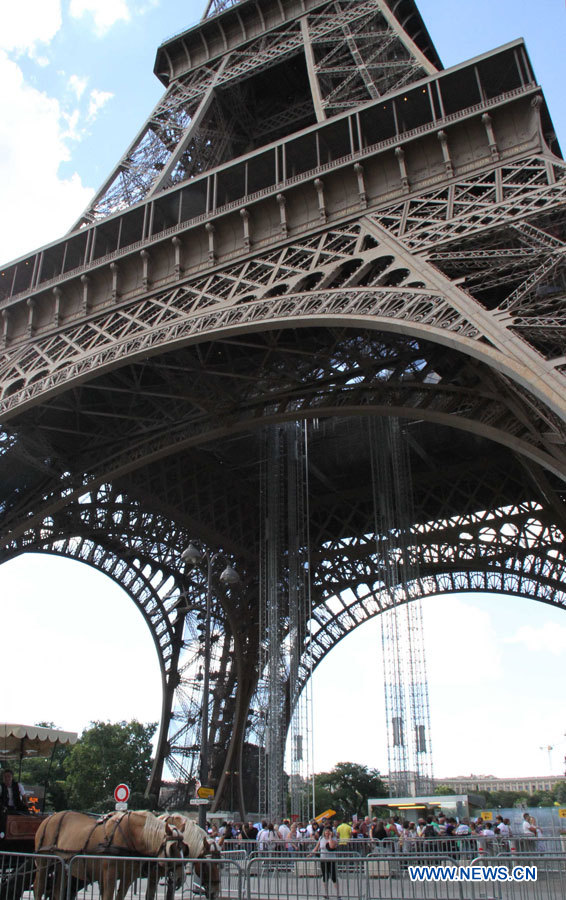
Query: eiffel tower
[317,226]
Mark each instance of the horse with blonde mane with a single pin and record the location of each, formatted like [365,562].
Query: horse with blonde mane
[202,853]
[198,847]
[68,834]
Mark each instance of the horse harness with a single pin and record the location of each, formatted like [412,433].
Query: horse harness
[105,847]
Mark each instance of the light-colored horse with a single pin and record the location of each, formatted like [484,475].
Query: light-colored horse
[196,846]
[67,834]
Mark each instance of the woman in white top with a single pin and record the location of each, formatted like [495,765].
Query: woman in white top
[327,846]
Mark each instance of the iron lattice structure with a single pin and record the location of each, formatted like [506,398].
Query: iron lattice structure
[409,751]
[317,224]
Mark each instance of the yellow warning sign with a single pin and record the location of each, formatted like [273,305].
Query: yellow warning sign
[205,792]
[327,814]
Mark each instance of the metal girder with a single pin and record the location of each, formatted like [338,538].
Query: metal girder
[514,546]
[151,162]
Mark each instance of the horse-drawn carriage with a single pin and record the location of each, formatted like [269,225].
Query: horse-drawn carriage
[18,827]
[60,854]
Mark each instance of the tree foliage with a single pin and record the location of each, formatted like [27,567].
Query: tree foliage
[443,790]
[47,773]
[347,788]
[559,792]
[50,775]
[106,755]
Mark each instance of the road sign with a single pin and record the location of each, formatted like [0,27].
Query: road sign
[120,806]
[199,802]
[562,812]
[203,792]
[121,793]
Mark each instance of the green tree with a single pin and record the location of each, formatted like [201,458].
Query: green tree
[348,787]
[443,790]
[541,798]
[504,799]
[323,798]
[559,792]
[108,754]
[48,774]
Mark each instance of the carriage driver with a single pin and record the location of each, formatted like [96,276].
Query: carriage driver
[12,798]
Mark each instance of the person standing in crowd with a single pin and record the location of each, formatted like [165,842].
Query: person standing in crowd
[485,843]
[248,836]
[263,838]
[292,844]
[344,832]
[529,832]
[303,836]
[327,846]
[421,825]
[284,830]
[409,844]
[378,836]
[313,830]
[503,833]
[541,846]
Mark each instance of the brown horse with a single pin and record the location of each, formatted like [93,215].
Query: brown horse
[67,834]
[197,847]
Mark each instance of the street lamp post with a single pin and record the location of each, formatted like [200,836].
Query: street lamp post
[193,556]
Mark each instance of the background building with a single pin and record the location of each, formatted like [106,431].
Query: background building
[531,784]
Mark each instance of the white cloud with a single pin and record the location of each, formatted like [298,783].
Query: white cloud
[547,638]
[96,102]
[28,23]
[35,133]
[105,13]
[78,85]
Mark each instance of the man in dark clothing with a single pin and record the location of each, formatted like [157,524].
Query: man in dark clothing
[12,798]
[249,836]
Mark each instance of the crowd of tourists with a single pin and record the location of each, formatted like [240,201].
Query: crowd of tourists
[363,836]
[435,836]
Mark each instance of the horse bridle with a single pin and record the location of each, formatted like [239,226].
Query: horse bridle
[212,853]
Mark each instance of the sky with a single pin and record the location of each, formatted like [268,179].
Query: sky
[76,84]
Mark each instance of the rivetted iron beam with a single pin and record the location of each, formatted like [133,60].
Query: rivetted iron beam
[158,219]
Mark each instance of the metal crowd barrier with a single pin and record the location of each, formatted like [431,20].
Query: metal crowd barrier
[153,879]
[457,846]
[18,872]
[83,877]
[383,876]
[288,876]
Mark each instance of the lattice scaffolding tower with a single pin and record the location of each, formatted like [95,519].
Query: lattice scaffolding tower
[283,616]
[409,752]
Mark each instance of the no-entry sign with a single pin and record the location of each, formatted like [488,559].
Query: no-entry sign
[121,793]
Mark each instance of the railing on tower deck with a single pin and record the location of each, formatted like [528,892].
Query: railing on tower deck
[425,108]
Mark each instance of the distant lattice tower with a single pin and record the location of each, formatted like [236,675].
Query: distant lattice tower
[316,225]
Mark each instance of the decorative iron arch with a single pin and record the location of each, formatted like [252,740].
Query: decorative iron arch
[514,549]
